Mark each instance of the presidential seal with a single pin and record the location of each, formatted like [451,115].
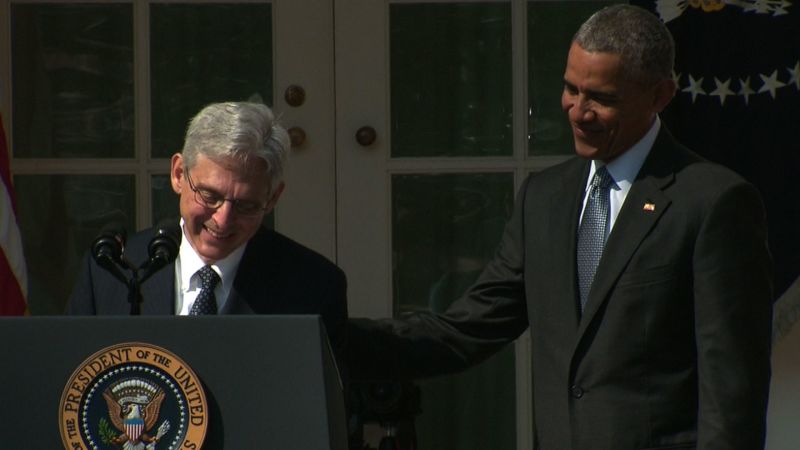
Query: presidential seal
[133,396]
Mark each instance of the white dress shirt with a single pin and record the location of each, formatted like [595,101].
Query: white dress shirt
[187,283]
[623,170]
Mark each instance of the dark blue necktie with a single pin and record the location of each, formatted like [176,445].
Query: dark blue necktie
[592,232]
[206,302]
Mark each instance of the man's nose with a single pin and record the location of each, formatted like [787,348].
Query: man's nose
[581,110]
[225,213]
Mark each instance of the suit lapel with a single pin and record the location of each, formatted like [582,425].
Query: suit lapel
[158,292]
[565,210]
[236,304]
[252,276]
[237,301]
[645,203]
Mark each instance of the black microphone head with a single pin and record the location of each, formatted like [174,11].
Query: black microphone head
[110,243]
[164,245]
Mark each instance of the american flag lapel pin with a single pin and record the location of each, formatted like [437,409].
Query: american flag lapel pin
[649,207]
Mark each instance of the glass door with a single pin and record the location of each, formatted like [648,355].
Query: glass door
[463,101]
[96,95]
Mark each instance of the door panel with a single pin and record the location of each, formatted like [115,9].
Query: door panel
[421,209]
[465,99]
[304,57]
[101,96]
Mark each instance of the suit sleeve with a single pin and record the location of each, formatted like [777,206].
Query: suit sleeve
[334,315]
[733,313]
[488,316]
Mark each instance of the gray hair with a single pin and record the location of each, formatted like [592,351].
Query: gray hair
[644,43]
[237,131]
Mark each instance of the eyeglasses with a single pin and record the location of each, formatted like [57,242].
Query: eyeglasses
[214,200]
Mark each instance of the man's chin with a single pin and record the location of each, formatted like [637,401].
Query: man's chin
[586,151]
[213,253]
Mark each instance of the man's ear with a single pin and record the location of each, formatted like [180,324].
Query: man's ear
[664,91]
[276,194]
[176,172]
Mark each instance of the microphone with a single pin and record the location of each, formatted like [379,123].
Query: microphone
[163,248]
[110,244]
[108,247]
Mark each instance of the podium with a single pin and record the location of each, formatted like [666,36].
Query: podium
[270,381]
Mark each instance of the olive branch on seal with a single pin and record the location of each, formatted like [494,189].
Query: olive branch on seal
[107,433]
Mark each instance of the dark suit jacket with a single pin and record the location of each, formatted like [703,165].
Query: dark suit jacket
[673,349]
[275,276]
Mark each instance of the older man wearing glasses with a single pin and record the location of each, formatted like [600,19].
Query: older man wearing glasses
[228,176]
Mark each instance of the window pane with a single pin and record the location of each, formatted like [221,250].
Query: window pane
[450,79]
[60,216]
[202,54]
[551,25]
[444,230]
[471,410]
[72,77]
[164,199]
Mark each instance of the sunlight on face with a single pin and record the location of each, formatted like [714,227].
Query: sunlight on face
[216,233]
[608,112]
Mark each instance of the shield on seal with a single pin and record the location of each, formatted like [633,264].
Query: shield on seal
[134,426]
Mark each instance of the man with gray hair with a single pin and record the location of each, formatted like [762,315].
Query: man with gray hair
[640,269]
[228,176]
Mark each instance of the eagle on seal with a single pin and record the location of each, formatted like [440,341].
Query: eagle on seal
[134,418]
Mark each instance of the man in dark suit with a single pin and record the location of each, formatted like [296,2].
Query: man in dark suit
[662,343]
[228,176]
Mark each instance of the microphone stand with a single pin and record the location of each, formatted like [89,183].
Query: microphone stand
[135,286]
[163,249]
[135,295]
[133,282]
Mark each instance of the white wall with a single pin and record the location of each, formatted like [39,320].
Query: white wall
[783,420]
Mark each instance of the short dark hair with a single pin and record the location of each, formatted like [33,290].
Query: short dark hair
[644,43]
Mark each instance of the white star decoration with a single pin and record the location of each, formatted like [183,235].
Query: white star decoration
[695,88]
[781,8]
[745,90]
[778,82]
[672,9]
[693,83]
[722,90]
[669,10]
[794,76]
[771,83]
[759,6]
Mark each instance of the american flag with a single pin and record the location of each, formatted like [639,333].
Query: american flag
[13,274]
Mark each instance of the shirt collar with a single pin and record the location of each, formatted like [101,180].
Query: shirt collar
[189,263]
